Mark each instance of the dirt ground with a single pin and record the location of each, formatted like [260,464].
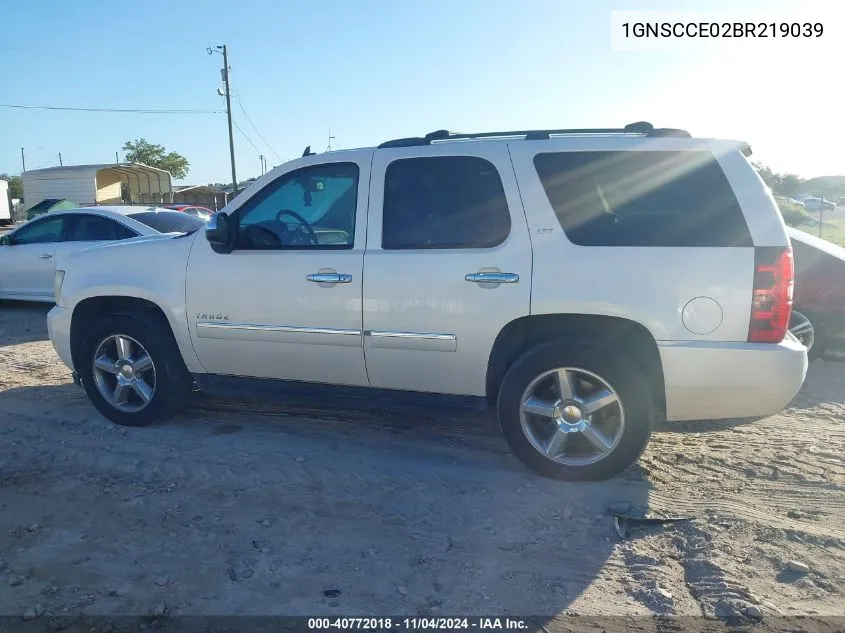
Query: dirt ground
[248,508]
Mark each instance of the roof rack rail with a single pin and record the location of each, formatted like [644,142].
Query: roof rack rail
[642,128]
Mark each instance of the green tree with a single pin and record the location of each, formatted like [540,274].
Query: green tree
[15,185]
[787,185]
[142,151]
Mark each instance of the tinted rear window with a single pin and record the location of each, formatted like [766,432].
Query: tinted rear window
[93,228]
[444,202]
[168,221]
[642,198]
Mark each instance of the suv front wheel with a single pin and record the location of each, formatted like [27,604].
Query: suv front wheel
[575,412]
[131,369]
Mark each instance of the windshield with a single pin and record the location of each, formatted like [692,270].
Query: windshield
[169,221]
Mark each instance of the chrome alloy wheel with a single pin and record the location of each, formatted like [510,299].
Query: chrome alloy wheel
[802,329]
[572,416]
[124,373]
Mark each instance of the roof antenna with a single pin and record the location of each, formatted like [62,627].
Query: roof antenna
[308,152]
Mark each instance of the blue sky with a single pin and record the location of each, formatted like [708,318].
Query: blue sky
[373,70]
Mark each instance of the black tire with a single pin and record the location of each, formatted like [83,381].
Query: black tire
[620,373]
[173,381]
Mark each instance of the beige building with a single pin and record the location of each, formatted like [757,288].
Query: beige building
[87,185]
[201,195]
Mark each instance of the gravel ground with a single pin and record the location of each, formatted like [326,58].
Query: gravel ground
[252,508]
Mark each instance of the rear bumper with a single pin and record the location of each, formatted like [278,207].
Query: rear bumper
[706,381]
[58,327]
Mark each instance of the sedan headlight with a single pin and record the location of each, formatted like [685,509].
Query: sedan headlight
[58,280]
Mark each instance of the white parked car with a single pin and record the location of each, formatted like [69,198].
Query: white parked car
[27,253]
[819,204]
[583,283]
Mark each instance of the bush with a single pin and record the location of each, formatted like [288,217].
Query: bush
[793,214]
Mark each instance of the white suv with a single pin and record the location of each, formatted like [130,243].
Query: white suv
[583,282]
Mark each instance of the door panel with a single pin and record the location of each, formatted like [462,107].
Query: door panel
[444,272]
[27,270]
[27,265]
[289,311]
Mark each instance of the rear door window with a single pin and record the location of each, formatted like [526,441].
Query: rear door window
[168,221]
[95,228]
[642,198]
[444,202]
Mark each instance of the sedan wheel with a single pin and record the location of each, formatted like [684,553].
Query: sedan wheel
[801,327]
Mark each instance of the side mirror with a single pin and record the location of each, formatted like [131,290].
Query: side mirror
[6,240]
[220,231]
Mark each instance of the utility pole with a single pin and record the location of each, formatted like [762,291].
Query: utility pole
[61,164]
[229,117]
[225,72]
[329,148]
[23,161]
[821,213]
[116,159]
[263,164]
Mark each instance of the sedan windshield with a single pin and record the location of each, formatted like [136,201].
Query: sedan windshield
[169,221]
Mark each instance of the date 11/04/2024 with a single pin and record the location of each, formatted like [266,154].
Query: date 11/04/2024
[418,623]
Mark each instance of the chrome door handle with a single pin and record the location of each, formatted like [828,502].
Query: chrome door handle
[329,278]
[492,278]
[45,256]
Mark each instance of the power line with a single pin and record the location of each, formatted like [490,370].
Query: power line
[261,136]
[119,110]
[49,160]
[248,140]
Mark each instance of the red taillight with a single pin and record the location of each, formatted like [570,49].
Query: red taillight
[771,301]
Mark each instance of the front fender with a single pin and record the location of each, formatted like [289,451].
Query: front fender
[151,270]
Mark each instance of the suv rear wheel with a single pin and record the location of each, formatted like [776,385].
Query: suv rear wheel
[574,412]
[131,369]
